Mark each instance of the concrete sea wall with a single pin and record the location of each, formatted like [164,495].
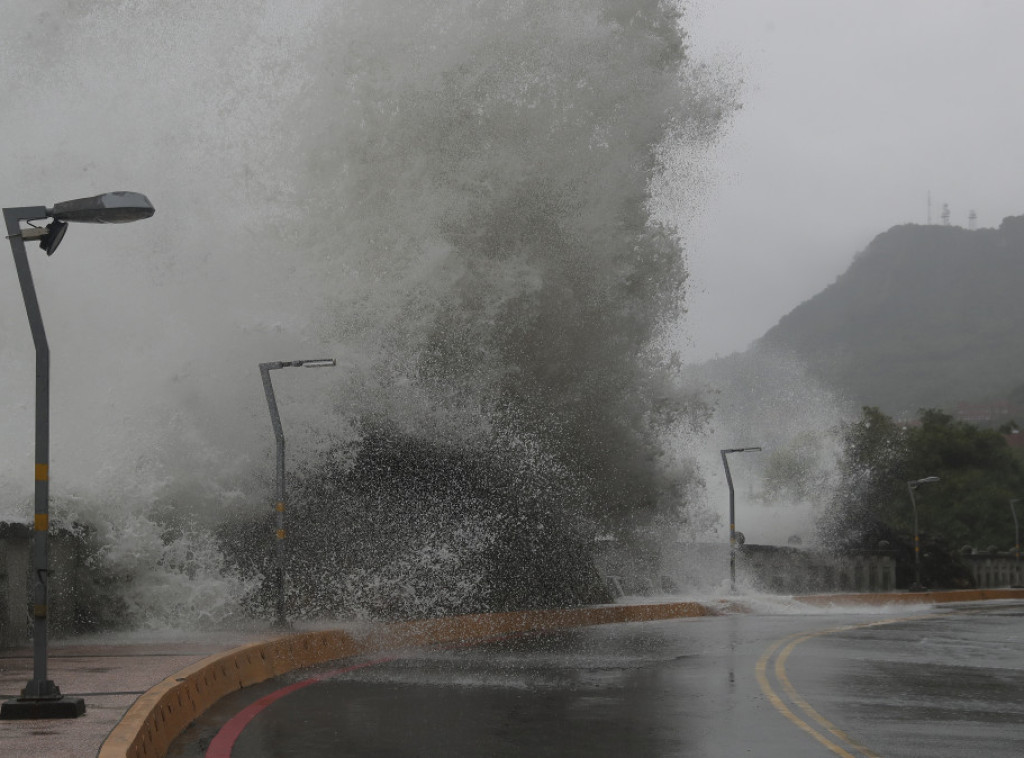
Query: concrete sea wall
[66,588]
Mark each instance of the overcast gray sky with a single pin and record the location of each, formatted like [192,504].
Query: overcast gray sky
[853,110]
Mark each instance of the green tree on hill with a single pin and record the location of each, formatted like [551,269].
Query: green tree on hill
[978,472]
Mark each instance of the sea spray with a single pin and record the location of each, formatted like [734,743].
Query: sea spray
[454,200]
[783,493]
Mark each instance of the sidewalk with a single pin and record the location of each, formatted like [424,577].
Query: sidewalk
[109,675]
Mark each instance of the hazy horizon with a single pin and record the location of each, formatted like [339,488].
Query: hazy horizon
[852,113]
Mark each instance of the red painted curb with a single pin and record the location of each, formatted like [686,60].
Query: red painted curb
[224,742]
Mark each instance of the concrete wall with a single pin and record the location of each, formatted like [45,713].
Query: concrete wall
[15,623]
[703,568]
[791,571]
[683,568]
[16,583]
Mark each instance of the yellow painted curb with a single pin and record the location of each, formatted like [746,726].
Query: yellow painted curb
[913,598]
[165,710]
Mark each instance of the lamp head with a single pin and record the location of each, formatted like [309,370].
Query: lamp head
[108,208]
[317,363]
[55,231]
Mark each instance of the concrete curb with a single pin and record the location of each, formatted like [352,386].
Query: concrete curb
[912,598]
[165,710]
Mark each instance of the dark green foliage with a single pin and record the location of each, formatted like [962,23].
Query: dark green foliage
[979,474]
[872,471]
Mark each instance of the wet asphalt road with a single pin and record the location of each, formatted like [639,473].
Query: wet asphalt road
[941,683]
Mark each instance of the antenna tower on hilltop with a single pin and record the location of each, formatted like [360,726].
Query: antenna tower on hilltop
[945,214]
[972,220]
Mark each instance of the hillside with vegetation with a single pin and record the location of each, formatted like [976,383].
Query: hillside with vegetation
[925,317]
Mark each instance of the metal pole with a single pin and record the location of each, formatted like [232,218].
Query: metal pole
[1016,531]
[917,541]
[279,506]
[1016,543]
[732,523]
[40,698]
[281,617]
[732,511]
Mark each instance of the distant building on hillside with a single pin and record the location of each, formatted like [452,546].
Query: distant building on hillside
[991,413]
[1015,440]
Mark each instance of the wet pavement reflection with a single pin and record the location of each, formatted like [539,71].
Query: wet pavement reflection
[946,682]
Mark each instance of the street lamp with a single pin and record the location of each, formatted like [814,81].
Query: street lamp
[911,486]
[1016,542]
[732,511]
[41,698]
[275,420]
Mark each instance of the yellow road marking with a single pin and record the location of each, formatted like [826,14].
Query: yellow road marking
[779,669]
[794,696]
[781,707]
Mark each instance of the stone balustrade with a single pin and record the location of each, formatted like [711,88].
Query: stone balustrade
[992,570]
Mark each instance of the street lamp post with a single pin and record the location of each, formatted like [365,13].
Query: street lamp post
[732,511]
[41,698]
[911,486]
[281,618]
[1016,543]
